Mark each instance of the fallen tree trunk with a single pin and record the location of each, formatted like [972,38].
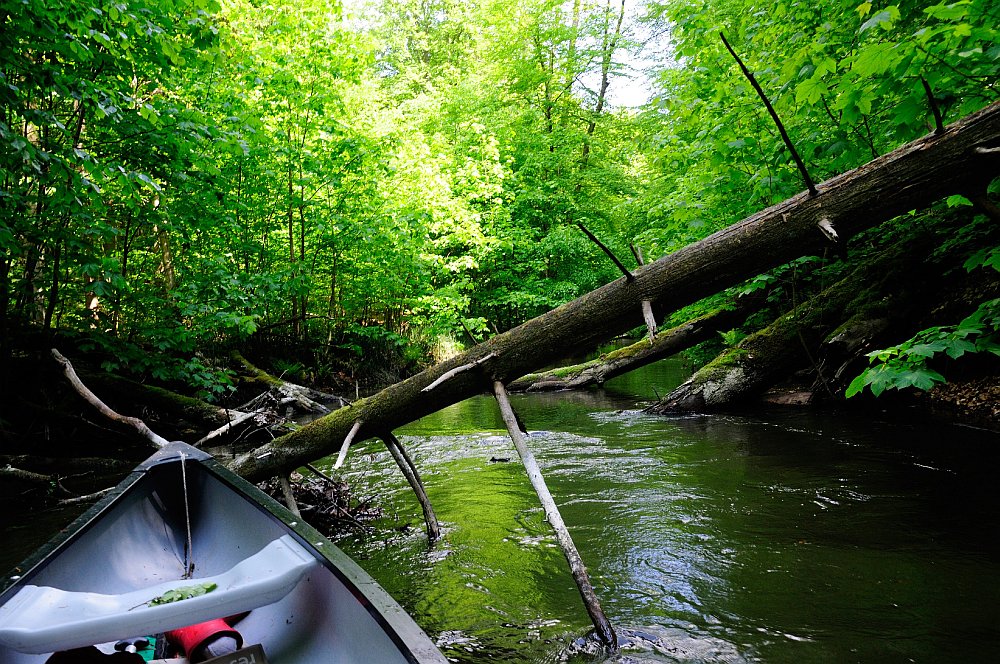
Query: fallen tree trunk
[886,294]
[632,357]
[964,159]
[753,365]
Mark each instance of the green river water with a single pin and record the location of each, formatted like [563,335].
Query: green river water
[782,536]
[779,536]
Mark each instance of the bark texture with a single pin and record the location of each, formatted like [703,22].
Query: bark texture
[908,178]
[884,297]
[622,360]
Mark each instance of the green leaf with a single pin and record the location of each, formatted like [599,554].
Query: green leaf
[857,385]
[926,350]
[884,19]
[810,91]
[959,347]
[949,12]
[826,65]
[875,59]
[182,593]
[984,258]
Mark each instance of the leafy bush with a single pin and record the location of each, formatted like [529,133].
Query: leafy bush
[908,364]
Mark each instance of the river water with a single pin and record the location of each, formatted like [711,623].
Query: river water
[783,536]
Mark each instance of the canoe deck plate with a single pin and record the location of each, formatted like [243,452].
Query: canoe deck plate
[250,655]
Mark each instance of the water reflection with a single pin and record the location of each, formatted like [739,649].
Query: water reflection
[785,536]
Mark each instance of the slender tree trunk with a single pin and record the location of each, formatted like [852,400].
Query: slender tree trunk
[571,64]
[4,320]
[53,297]
[166,258]
[610,44]
[290,219]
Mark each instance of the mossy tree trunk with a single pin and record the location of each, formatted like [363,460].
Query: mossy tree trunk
[637,355]
[882,298]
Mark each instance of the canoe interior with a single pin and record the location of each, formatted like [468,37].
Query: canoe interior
[137,538]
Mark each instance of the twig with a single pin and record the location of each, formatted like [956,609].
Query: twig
[774,116]
[637,253]
[286,490]
[604,630]
[239,419]
[457,370]
[347,443]
[334,506]
[628,275]
[87,498]
[468,332]
[93,400]
[329,480]
[647,305]
[938,124]
[647,314]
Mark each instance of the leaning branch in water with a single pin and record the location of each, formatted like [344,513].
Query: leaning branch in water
[605,631]
[412,476]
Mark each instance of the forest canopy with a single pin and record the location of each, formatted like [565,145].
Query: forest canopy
[368,185]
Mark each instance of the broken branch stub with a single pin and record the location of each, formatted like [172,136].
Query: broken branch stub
[347,443]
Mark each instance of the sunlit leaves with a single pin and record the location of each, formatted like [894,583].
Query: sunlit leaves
[883,19]
[949,12]
[875,59]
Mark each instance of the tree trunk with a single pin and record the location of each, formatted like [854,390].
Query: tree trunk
[964,158]
[622,360]
[883,298]
[758,361]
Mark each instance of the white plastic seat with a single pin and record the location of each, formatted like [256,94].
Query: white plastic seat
[41,619]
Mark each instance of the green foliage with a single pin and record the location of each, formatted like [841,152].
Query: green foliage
[732,337]
[183,593]
[908,364]
[183,176]
[846,78]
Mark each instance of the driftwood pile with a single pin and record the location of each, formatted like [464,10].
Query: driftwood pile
[326,503]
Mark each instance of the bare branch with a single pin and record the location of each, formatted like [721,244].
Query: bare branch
[457,370]
[347,443]
[938,124]
[614,259]
[604,630]
[774,116]
[409,471]
[91,398]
